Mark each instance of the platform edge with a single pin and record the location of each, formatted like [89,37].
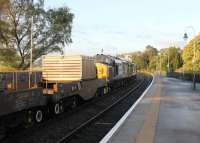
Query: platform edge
[117,126]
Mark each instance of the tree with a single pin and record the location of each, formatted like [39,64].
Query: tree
[4,4]
[149,53]
[10,56]
[153,65]
[188,54]
[138,59]
[51,30]
[146,60]
[175,59]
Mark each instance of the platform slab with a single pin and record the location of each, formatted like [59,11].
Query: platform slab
[169,113]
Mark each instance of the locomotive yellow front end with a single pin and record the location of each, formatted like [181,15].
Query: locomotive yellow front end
[102,71]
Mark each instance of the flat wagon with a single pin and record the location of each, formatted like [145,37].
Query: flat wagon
[21,100]
[69,79]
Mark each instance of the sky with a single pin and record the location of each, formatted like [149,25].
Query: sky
[123,26]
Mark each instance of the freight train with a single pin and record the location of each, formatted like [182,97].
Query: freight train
[25,97]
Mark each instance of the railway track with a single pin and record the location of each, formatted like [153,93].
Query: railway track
[97,126]
[74,121]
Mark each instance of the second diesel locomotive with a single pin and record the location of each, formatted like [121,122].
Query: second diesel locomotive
[64,81]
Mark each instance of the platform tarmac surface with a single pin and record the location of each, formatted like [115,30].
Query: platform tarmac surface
[169,113]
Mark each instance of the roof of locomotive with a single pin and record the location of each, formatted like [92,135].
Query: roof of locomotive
[104,59]
[68,56]
[108,59]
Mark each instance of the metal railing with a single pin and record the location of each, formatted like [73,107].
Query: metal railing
[186,76]
[19,80]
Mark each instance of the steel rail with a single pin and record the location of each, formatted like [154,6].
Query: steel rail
[69,135]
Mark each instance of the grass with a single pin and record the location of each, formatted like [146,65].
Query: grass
[4,68]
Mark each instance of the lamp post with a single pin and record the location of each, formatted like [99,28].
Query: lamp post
[160,60]
[185,37]
[102,51]
[31,46]
[168,69]
[31,51]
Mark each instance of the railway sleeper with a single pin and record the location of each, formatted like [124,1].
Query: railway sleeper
[75,102]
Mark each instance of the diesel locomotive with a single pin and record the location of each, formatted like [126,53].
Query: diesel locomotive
[25,97]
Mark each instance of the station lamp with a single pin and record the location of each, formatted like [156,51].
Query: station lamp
[185,37]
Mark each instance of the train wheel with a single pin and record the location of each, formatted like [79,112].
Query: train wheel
[75,102]
[105,90]
[56,109]
[102,92]
[96,94]
[39,116]
[109,89]
[61,107]
[29,119]
[2,132]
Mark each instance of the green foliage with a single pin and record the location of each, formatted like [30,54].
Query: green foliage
[8,57]
[188,54]
[51,30]
[173,56]
[4,5]
[149,54]
[138,59]
[151,60]
[153,65]
[143,59]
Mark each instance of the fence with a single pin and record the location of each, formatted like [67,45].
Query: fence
[19,80]
[185,76]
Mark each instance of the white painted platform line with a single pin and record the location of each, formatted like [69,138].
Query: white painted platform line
[111,133]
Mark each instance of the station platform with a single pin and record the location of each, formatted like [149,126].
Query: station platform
[169,112]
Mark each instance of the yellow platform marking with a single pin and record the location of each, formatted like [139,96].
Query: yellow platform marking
[147,132]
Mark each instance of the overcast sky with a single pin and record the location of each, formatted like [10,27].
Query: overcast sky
[121,26]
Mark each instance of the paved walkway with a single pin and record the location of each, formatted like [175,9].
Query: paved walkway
[169,113]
